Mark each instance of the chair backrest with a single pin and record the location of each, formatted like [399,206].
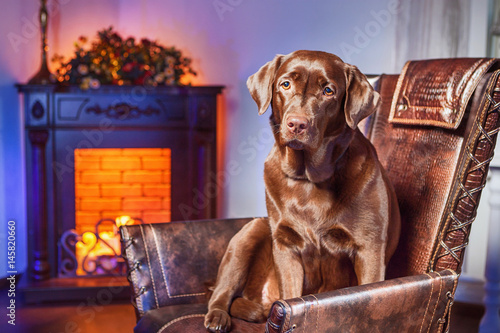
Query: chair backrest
[435,133]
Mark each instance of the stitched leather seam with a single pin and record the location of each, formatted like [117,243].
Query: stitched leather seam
[135,280]
[447,312]
[428,302]
[159,259]
[317,311]
[482,116]
[437,301]
[461,178]
[306,310]
[435,123]
[177,320]
[455,285]
[149,265]
[165,280]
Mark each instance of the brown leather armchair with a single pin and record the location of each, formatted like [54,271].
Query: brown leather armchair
[435,134]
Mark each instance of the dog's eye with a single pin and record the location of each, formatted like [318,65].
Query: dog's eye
[286,85]
[328,91]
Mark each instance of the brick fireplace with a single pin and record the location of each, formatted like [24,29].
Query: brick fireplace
[99,158]
[120,185]
[115,182]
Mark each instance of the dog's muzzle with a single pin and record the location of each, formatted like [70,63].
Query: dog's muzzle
[297,127]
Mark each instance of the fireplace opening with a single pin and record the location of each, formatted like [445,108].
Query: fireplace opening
[121,182]
[115,186]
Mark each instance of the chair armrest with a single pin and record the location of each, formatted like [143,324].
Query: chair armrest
[418,303]
[172,263]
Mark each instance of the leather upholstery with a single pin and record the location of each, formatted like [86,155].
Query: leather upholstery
[173,263]
[421,185]
[471,177]
[410,304]
[436,92]
[430,187]
[438,171]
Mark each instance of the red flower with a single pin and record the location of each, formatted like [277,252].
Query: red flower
[129,66]
[143,78]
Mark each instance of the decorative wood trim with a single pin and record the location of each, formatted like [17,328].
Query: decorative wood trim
[41,266]
[123,111]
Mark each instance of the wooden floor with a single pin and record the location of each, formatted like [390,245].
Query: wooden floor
[465,318]
[120,318]
[81,318]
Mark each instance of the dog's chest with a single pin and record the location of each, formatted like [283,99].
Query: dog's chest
[307,202]
[318,214]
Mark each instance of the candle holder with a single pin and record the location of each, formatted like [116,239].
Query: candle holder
[43,75]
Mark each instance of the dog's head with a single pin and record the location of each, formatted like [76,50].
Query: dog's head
[314,95]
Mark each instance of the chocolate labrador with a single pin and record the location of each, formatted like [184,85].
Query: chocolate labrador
[333,216]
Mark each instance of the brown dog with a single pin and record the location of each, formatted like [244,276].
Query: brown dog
[333,216]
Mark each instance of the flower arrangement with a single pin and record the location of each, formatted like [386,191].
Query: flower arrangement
[114,60]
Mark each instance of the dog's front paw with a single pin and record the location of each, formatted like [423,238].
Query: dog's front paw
[218,321]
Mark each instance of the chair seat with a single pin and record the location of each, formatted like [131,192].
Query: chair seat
[186,318]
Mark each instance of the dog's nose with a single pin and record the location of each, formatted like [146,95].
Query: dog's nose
[297,124]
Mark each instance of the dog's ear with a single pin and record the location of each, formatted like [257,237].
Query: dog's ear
[260,84]
[360,98]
